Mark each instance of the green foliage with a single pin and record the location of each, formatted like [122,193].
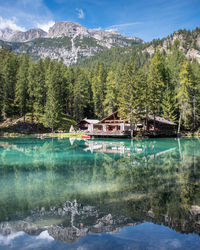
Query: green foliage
[156,84]
[186,93]
[21,94]
[132,92]
[111,93]
[52,114]
[165,84]
[98,89]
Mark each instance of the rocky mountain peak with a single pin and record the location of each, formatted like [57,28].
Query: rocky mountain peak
[67,40]
[6,34]
[27,35]
[67,28]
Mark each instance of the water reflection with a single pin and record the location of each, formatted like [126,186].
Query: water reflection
[71,189]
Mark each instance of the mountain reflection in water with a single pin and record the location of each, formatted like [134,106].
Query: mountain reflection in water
[68,189]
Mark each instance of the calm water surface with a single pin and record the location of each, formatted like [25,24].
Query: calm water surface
[99,194]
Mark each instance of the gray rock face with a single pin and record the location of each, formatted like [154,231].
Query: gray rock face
[69,29]
[28,35]
[65,40]
[19,36]
[67,223]
[6,34]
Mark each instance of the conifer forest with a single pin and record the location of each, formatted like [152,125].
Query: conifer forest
[48,92]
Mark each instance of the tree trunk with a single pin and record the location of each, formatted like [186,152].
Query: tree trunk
[194,113]
[146,122]
[179,122]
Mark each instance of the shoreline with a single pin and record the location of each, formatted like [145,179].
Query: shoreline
[42,135]
[77,135]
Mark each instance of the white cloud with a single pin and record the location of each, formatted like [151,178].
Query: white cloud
[123,25]
[45,26]
[10,23]
[45,236]
[28,13]
[81,14]
[7,240]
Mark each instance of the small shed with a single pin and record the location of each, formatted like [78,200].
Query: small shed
[83,124]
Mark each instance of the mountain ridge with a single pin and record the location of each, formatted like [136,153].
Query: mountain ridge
[66,41]
[59,29]
[72,43]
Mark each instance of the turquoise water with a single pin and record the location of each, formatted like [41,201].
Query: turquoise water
[99,194]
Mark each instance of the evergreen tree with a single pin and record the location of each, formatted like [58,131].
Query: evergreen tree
[21,94]
[81,95]
[111,93]
[1,94]
[132,93]
[53,107]
[37,89]
[156,76]
[196,95]
[9,73]
[168,105]
[98,89]
[185,95]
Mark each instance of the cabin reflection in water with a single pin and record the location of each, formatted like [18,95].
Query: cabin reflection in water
[122,148]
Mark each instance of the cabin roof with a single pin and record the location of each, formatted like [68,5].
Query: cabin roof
[161,120]
[151,117]
[109,116]
[89,121]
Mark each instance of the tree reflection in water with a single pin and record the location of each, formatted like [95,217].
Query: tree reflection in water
[72,188]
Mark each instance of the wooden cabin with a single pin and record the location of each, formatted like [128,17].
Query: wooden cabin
[114,125]
[83,124]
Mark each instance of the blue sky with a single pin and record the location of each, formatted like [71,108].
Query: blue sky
[146,19]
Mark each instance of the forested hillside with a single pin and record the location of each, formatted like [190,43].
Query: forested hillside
[189,44]
[165,84]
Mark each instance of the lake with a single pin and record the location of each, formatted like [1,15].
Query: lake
[99,194]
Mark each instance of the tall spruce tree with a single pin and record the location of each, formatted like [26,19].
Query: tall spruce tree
[98,89]
[185,95]
[132,93]
[168,106]
[156,76]
[111,93]
[21,93]
[1,95]
[36,89]
[68,89]
[81,95]
[196,95]
[9,73]
[52,116]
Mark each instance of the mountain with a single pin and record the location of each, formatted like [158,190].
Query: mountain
[72,43]
[188,42]
[65,40]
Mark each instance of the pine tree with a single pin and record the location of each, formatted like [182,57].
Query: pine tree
[36,89]
[1,95]
[68,89]
[9,74]
[21,94]
[53,107]
[184,96]
[168,106]
[111,93]
[98,89]
[132,93]
[155,84]
[196,95]
[81,95]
